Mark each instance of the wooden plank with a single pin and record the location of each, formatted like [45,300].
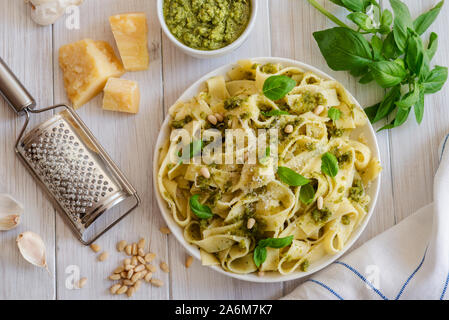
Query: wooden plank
[129,139]
[26,48]
[414,147]
[293,23]
[179,71]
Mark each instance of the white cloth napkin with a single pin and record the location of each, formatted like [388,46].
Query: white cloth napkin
[408,261]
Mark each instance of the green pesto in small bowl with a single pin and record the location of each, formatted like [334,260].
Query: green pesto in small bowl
[207,24]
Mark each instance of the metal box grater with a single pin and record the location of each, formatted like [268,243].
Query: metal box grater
[64,156]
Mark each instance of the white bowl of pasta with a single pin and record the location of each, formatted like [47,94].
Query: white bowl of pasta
[298,204]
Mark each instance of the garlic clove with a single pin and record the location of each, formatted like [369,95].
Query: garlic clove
[46,12]
[8,222]
[32,248]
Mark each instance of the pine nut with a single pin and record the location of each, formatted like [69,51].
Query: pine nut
[103,256]
[148,276]
[288,128]
[149,257]
[139,268]
[318,110]
[122,290]
[134,261]
[129,249]
[189,261]
[130,292]
[124,275]
[205,172]
[95,247]
[219,117]
[157,282]
[114,288]
[319,203]
[130,274]
[136,276]
[121,246]
[165,230]
[140,252]
[151,268]
[81,283]
[129,267]
[119,269]
[114,277]
[212,119]
[137,285]
[250,224]
[126,262]
[134,249]
[164,267]
[128,282]
[141,260]
[141,243]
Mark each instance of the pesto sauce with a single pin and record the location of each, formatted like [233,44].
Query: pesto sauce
[207,24]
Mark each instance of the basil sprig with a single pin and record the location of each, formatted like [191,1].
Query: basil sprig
[201,211]
[291,178]
[276,87]
[260,252]
[306,194]
[334,114]
[329,164]
[387,48]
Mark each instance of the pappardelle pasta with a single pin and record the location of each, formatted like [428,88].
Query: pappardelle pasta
[298,201]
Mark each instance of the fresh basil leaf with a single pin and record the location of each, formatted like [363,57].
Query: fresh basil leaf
[419,107]
[329,164]
[414,56]
[259,255]
[435,80]
[367,78]
[388,126]
[356,5]
[387,18]
[291,178]
[274,112]
[402,21]
[372,111]
[433,45]
[409,99]
[401,116]
[275,243]
[276,87]
[376,44]
[357,72]
[388,73]
[423,22]
[343,48]
[388,103]
[201,211]
[306,194]
[389,48]
[362,20]
[334,114]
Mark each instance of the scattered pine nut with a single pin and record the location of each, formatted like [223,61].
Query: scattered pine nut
[141,260]
[95,247]
[141,243]
[288,128]
[318,110]
[129,249]
[165,230]
[130,292]
[134,261]
[124,275]
[137,284]
[219,117]
[151,268]
[81,283]
[136,276]
[205,172]
[149,257]
[122,290]
[127,282]
[140,252]
[319,203]
[126,262]
[212,119]
[121,246]
[157,282]
[139,268]
[103,256]
[114,288]
[148,276]
[114,277]
[189,261]
[164,267]
[134,252]
[119,269]
[250,224]
[130,274]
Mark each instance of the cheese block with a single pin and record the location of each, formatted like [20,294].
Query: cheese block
[131,35]
[121,95]
[86,66]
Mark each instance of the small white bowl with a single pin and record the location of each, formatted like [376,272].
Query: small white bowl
[372,191]
[203,54]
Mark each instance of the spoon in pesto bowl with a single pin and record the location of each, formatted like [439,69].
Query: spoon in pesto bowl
[207,30]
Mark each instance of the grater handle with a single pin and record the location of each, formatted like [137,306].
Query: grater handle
[13,91]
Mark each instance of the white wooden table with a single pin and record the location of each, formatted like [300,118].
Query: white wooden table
[284,28]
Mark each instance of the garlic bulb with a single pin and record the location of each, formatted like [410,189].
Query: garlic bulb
[10,211]
[45,12]
[32,248]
